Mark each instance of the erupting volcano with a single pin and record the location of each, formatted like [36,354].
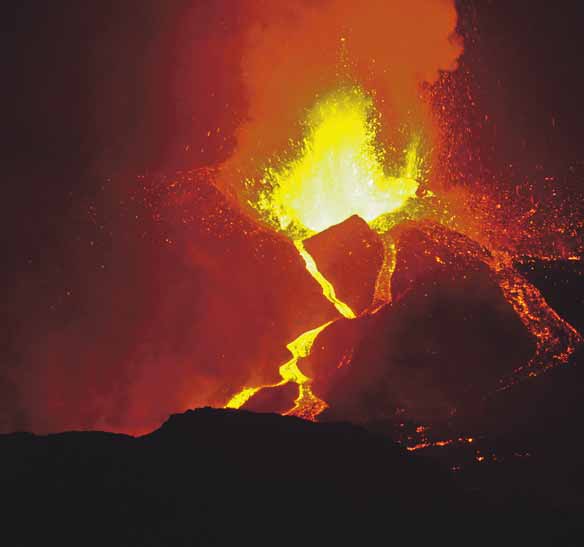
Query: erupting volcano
[339,180]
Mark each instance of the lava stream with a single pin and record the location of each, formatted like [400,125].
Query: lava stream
[327,288]
[307,405]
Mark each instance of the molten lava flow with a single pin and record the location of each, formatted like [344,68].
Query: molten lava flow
[238,400]
[382,293]
[307,405]
[437,444]
[327,288]
[339,171]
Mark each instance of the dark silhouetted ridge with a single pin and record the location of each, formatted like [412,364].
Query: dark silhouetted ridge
[215,477]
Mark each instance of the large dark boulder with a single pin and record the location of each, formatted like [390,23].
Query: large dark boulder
[350,256]
[273,399]
[444,343]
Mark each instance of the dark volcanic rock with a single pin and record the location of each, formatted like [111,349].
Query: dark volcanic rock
[562,283]
[445,341]
[217,477]
[273,399]
[350,256]
[429,254]
[209,477]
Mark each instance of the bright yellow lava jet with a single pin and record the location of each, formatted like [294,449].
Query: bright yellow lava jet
[339,171]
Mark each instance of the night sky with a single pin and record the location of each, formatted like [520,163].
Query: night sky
[96,94]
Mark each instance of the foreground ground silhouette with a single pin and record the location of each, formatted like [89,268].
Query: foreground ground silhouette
[215,477]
